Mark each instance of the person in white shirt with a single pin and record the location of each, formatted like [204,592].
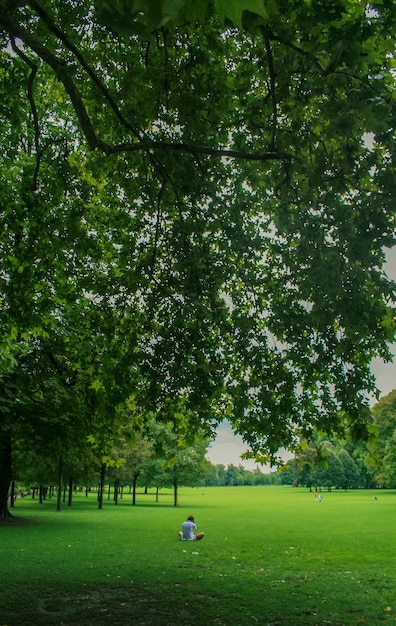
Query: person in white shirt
[188,530]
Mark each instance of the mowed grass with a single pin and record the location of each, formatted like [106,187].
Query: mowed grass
[271,556]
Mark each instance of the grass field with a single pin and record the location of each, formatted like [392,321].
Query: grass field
[271,556]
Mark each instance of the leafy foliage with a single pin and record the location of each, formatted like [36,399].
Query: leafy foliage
[137,17]
[195,201]
[381,444]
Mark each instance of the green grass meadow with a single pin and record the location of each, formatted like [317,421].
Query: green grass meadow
[270,556]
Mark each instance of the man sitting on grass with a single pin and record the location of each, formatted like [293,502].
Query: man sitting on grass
[187,533]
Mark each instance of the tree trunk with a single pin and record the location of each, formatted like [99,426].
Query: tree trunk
[5,472]
[175,494]
[12,495]
[101,485]
[70,498]
[60,481]
[116,489]
[157,494]
[135,477]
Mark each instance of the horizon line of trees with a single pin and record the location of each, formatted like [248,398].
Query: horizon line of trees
[159,459]
[331,462]
[156,456]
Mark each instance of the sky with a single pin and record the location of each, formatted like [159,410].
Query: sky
[228,447]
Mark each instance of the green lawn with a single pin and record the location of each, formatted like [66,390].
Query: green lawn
[271,556]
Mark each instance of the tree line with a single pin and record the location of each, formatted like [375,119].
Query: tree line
[159,460]
[155,458]
[326,463]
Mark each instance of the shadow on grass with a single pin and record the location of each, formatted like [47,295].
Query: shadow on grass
[18,522]
[100,605]
[165,603]
[186,596]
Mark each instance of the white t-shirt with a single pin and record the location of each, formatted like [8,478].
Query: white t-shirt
[188,531]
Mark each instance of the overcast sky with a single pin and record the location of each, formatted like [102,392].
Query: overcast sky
[228,447]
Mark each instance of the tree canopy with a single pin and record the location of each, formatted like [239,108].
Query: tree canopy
[195,202]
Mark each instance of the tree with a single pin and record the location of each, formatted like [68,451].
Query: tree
[8,360]
[390,462]
[317,464]
[383,427]
[154,474]
[361,457]
[330,471]
[185,462]
[351,476]
[286,474]
[177,456]
[136,454]
[232,475]
[217,476]
[213,189]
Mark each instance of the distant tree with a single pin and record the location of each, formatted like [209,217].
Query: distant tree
[187,465]
[137,453]
[331,473]
[360,455]
[216,476]
[154,474]
[383,427]
[259,477]
[178,455]
[317,465]
[389,462]
[351,478]
[231,475]
[312,460]
[304,464]
[286,473]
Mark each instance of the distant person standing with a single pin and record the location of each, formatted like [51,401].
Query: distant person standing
[187,533]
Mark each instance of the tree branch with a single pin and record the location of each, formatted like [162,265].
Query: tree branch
[80,58]
[194,149]
[64,75]
[272,76]
[33,108]
[60,69]
[331,69]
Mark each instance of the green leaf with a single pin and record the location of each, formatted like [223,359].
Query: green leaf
[234,9]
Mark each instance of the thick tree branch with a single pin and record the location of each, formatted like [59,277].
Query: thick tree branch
[151,146]
[80,58]
[61,71]
[33,108]
[64,75]
[272,77]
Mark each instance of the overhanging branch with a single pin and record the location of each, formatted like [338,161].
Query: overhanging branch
[272,75]
[59,34]
[64,75]
[30,96]
[151,146]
